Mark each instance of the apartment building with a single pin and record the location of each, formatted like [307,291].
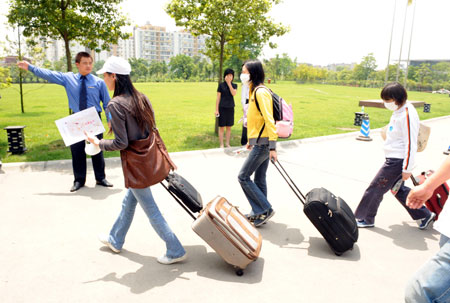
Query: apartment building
[149,42]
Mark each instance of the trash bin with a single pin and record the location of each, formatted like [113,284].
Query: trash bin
[358,118]
[16,139]
[426,107]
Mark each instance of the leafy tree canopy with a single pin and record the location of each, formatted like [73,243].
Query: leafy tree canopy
[227,23]
[93,23]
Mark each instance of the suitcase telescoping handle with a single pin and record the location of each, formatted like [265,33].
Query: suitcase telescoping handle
[289,181]
[178,200]
[414,181]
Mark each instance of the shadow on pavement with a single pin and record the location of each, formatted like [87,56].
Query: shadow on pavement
[95,193]
[319,248]
[205,264]
[280,235]
[407,236]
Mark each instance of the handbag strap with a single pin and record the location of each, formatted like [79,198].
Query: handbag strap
[162,147]
[159,140]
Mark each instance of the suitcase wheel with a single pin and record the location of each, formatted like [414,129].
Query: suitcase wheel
[338,254]
[239,272]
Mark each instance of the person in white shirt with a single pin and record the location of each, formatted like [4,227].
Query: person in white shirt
[400,149]
[244,102]
[431,283]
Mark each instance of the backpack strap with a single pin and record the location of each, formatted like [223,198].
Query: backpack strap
[257,106]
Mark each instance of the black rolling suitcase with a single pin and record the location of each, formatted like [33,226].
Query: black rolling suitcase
[188,197]
[332,217]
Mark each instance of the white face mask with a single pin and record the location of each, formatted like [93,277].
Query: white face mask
[245,79]
[391,106]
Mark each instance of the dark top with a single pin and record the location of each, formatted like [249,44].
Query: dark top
[123,123]
[226,98]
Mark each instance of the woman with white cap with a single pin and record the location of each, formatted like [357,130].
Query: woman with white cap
[131,116]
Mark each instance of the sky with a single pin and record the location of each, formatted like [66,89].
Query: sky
[330,31]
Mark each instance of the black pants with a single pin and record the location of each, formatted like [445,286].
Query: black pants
[244,138]
[387,176]
[79,162]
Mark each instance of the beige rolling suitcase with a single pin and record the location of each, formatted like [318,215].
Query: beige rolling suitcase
[229,233]
[223,227]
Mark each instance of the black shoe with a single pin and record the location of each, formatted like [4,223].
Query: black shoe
[104,183]
[76,186]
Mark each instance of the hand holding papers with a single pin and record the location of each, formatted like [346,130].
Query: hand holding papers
[72,127]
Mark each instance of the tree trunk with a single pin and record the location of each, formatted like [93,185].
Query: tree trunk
[222,46]
[68,59]
[68,54]
[20,74]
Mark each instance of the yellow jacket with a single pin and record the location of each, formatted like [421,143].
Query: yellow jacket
[256,118]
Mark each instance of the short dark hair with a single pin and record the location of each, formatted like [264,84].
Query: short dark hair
[256,71]
[82,55]
[227,72]
[394,91]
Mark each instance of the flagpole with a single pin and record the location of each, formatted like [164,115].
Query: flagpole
[390,44]
[410,41]
[401,44]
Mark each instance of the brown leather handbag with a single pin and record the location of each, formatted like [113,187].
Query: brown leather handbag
[146,162]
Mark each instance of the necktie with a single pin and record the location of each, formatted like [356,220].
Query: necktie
[83,94]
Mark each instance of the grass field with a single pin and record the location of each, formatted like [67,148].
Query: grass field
[185,114]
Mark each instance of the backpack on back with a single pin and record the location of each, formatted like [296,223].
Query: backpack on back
[282,114]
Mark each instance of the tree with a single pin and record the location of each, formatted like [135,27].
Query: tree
[181,66]
[366,68]
[227,23]
[441,71]
[96,24]
[307,73]
[392,73]
[423,74]
[157,68]
[280,67]
[5,78]
[139,69]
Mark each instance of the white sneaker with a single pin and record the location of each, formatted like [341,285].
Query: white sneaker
[166,260]
[105,240]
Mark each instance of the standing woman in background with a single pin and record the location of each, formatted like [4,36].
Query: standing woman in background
[225,105]
[262,139]
[132,118]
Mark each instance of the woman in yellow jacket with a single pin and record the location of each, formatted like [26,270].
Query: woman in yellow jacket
[262,139]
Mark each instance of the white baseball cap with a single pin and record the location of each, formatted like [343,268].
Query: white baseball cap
[115,65]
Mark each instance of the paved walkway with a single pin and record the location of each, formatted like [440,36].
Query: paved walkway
[50,251]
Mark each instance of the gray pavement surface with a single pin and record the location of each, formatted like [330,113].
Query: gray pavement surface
[50,251]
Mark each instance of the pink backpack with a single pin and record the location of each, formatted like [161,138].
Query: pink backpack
[285,127]
[282,114]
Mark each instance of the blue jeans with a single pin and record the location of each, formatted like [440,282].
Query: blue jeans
[256,191]
[432,282]
[145,198]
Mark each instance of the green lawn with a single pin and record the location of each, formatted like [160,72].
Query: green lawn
[185,114]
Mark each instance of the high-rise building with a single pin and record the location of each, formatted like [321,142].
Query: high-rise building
[152,43]
[187,44]
[55,49]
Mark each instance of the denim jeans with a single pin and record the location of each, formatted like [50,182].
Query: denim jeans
[145,198]
[256,191]
[432,282]
[387,176]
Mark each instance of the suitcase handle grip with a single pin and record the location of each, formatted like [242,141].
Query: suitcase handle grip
[414,181]
[291,183]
